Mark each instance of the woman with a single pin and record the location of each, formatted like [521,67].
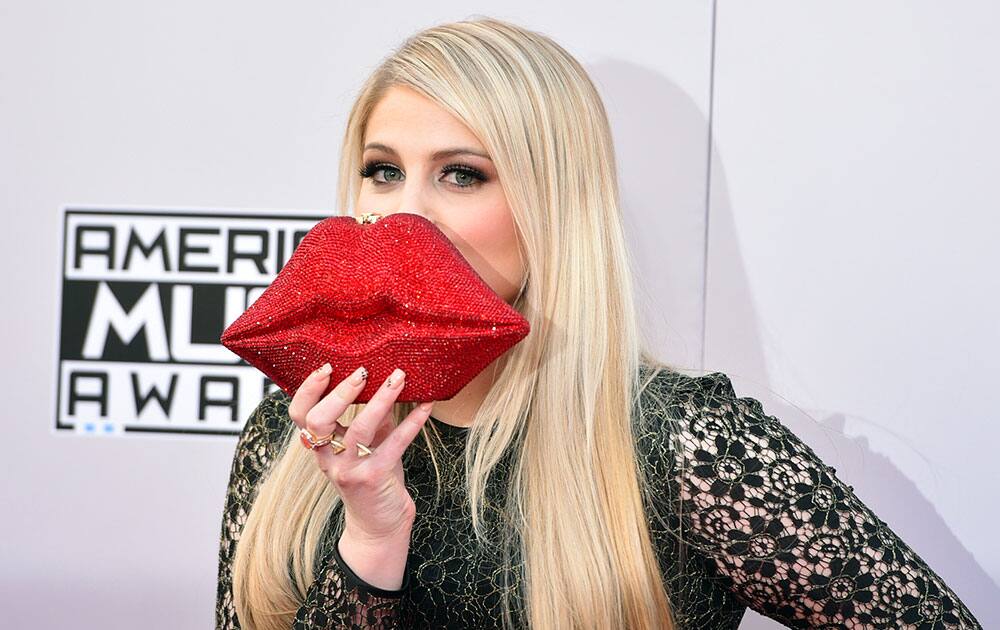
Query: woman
[574,483]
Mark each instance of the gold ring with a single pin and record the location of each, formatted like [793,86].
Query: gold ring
[312,442]
[368,217]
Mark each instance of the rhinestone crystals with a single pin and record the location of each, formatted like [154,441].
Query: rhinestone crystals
[382,291]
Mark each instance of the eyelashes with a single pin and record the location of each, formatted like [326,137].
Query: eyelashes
[371,167]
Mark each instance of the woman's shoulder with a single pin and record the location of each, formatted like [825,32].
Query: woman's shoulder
[665,394]
[682,417]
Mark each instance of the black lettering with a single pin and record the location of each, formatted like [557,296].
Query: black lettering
[100,398]
[141,400]
[186,249]
[108,251]
[159,242]
[280,257]
[204,402]
[258,256]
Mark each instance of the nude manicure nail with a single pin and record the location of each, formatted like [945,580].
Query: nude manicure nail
[323,370]
[395,378]
[359,376]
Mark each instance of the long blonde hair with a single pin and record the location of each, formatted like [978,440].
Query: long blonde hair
[565,395]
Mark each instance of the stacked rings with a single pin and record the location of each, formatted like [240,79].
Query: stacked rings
[311,442]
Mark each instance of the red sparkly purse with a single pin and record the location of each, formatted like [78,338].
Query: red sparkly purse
[382,292]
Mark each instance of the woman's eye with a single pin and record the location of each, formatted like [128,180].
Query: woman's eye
[370,168]
[465,176]
[389,174]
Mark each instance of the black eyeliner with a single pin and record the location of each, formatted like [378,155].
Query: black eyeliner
[371,167]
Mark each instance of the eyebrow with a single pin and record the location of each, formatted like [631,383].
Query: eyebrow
[437,155]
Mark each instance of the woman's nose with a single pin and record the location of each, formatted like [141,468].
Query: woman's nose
[411,200]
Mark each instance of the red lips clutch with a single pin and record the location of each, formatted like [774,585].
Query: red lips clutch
[382,292]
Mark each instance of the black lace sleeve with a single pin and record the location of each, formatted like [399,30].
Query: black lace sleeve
[341,599]
[255,449]
[788,538]
[338,598]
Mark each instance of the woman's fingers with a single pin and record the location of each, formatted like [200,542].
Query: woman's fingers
[371,427]
[321,419]
[384,428]
[366,423]
[393,446]
[374,493]
[308,393]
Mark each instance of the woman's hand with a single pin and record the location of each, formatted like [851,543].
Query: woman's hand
[377,505]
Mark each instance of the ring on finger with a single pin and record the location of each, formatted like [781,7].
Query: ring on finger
[340,447]
[312,442]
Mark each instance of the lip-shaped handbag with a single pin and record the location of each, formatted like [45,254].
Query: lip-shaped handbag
[382,292]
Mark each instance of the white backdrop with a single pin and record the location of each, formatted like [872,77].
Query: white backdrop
[807,192]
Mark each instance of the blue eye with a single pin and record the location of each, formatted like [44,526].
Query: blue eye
[466,176]
[473,175]
[370,168]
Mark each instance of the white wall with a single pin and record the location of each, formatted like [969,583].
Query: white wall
[853,259]
[843,192]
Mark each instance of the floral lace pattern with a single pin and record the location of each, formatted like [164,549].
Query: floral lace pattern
[764,524]
[337,598]
[786,536]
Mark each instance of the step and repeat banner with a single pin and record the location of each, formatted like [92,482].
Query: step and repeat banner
[145,296]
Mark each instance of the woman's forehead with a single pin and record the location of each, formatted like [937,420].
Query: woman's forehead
[406,122]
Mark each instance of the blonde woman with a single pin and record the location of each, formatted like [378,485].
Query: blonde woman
[576,482]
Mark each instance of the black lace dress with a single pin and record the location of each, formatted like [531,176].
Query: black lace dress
[767,525]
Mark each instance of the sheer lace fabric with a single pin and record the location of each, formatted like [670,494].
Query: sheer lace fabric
[785,535]
[337,597]
[765,524]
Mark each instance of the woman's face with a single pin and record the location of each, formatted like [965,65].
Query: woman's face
[420,159]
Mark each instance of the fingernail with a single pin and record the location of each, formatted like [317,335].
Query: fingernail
[426,406]
[323,370]
[395,378]
[359,376]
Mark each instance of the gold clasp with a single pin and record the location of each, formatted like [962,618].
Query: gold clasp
[369,217]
